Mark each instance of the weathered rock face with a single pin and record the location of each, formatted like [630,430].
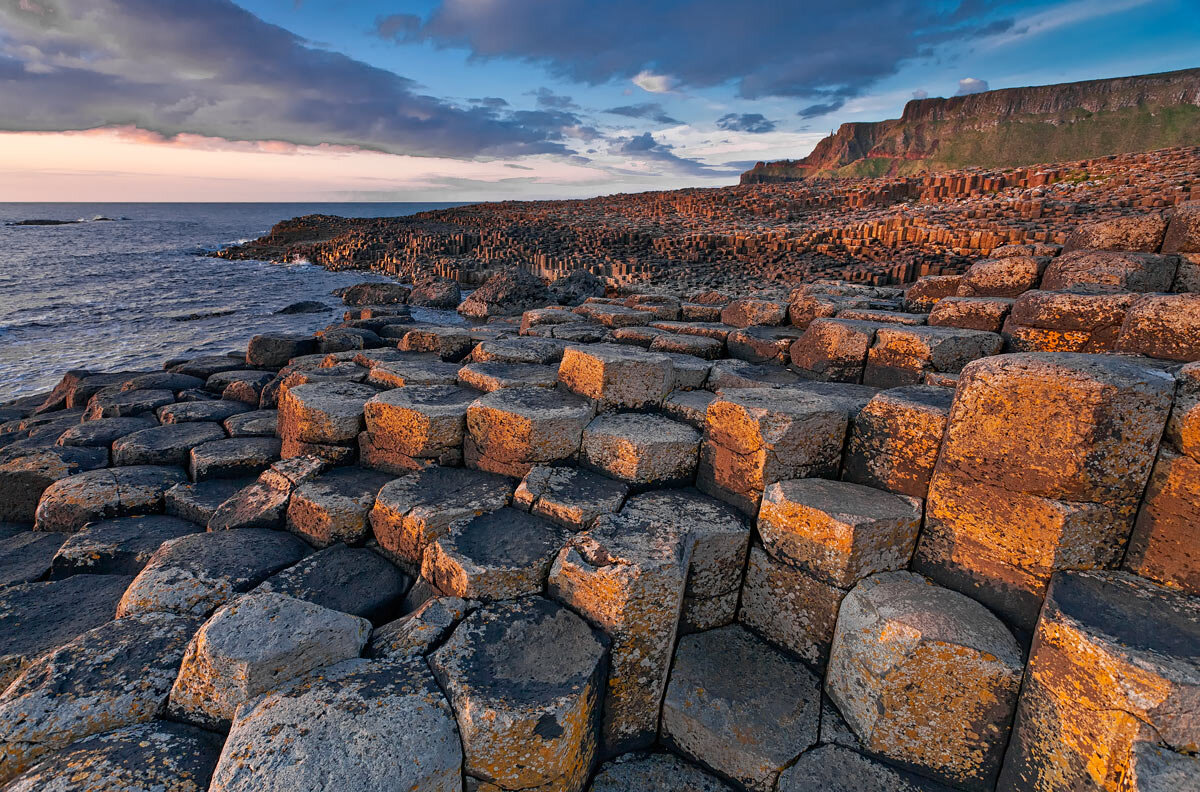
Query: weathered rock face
[117,547]
[525,680]
[352,580]
[616,376]
[296,737]
[507,293]
[646,450]
[374,293]
[513,429]
[925,677]
[435,293]
[1113,665]
[657,772]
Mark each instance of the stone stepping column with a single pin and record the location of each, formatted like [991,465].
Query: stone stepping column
[198,501]
[274,350]
[498,555]
[569,496]
[322,419]
[117,547]
[254,644]
[257,423]
[25,476]
[1066,321]
[905,355]
[834,350]
[26,556]
[117,674]
[833,768]
[354,580]
[102,432]
[415,426]
[72,502]
[617,376]
[925,677]
[525,679]
[971,313]
[706,348]
[740,707]
[819,538]
[642,450]
[417,633]
[896,437]
[627,578]
[263,504]
[168,444]
[1044,460]
[234,457]
[1110,692]
[155,755]
[513,429]
[655,772]
[296,737]
[448,342]
[756,436]
[112,402]
[418,370]
[535,351]
[488,377]
[334,507]
[185,412]
[412,511]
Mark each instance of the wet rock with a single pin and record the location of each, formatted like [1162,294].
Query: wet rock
[36,618]
[525,679]
[115,675]
[415,634]
[513,429]
[499,555]
[253,645]
[296,737]
[925,677]
[657,772]
[102,432]
[67,505]
[258,423]
[374,293]
[645,450]
[26,556]
[207,365]
[627,578]
[164,445]
[507,293]
[303,307]
[217,410]
[274,350]
[117,547]
[616,376]
[569,496]
[412,511]
[333,507]
[199,501]
[1113,664]
[162,380]
[895,439]
[113,403]
[352,580]
[27,473]
[232,458]
[155,755]
[739,706]
[264,503]
[196,574]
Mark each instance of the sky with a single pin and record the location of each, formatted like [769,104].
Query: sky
[465,100]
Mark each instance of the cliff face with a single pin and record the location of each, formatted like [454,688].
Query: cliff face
[1009,128]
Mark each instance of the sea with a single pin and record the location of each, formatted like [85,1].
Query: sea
[130,286]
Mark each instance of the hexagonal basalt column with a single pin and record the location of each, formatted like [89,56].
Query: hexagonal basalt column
[411,512]
[513,429]
[925,677]
[499,555]
[895,440]
[757,436]
[617,376]
[1113,671]
[525,679]
[325,413]
[333,507]
[569,496]
[420,424]
[255,644]
[655,772]
[646,450]
[740,707]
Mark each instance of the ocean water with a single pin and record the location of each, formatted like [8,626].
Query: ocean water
[131,293]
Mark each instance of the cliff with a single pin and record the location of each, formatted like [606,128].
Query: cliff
[1009,128]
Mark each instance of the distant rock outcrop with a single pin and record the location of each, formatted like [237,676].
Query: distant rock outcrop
[1008,128]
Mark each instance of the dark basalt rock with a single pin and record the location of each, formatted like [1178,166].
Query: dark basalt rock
[304,307]
[507,293]
[101,433]
[435,293]
[353,580]
[374,294]
[26,556]
[117,547]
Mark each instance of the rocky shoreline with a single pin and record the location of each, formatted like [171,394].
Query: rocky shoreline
[857,538]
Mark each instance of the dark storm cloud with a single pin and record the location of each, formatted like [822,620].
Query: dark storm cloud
[651,111]
[209,67]
[548,99]
[826,52]
[754,123]
[645,147]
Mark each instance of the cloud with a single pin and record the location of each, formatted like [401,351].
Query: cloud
[812,111]
[971,85]
[548,99]
[653,83]
[822,52]
[646,149]
[651,111]
[754,123]
[211,68]
[1059,16]
[920,93]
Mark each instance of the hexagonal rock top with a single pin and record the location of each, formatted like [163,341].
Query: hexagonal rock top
[255,644]
[838,531]
[357,725]
[499,555]
[834,768]
[642,449]
[155,755]
[114,675]
[569,496]
[197,573]
[424,422]
[354,580]
[1114,671]
[164,445]
[525,678]
[323,413]
[925,677]
[71,503]
[617,375]
[654,772]
[412,511]
[513,429]
[334,506]
[739,706]
[117,547]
